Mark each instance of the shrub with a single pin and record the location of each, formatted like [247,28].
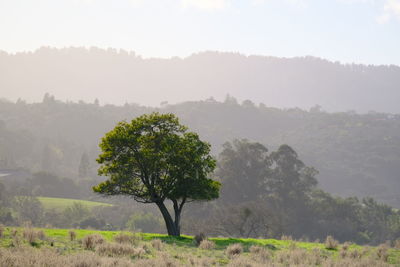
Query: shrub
[157,244]
[382,252]
[30,235]
[234,249]
[207,244]
[331,243]
[91,241]
[198,238]
[72,235]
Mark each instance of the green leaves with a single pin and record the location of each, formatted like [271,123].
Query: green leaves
[154,158]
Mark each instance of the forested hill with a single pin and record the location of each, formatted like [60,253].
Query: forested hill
[117,77]
[355,154]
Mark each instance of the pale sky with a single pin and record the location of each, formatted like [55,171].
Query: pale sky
[361,31]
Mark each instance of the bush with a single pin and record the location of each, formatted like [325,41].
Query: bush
[198,238]
[30,235]
[157,244]
[234,250]
[207,244]
[91,241]
[382,252]
[331,243]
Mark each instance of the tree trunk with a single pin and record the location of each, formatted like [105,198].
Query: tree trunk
[173,228]
[177,211]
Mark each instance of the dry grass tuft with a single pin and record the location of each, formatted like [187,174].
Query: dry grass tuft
[331,243]
[255,249]
[30,235]
[41,235]
[157,244]
[14,232]
[91,241]
[202,262]
[286,237]
[396,244]
[234,250]
[117,249]
[260,254]
[123,238]
[25,256]
[242,261]
[207,244]
[127,238]
[292,245]
[355,254]
[72,235]
[198,238]
[382,252]
[346,245]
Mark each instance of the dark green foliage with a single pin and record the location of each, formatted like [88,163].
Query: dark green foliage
[154,159]
[287,200]
[29,209]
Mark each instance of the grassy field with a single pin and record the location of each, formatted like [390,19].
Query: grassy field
[21,246]
[63,203]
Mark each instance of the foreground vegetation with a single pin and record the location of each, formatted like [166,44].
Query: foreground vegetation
[51,247]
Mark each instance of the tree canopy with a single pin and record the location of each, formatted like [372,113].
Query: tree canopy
[153,159]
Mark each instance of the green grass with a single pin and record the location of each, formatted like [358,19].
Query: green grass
[176,247]
[63,203]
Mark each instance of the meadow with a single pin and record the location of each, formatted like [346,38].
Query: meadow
[63,203]
[86,248]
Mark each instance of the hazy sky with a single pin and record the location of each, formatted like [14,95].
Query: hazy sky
[363,31]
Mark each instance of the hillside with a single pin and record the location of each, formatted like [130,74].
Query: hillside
[354,154]
[63,203]
[117,77]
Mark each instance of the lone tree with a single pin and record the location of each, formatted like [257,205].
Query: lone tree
[153,159]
